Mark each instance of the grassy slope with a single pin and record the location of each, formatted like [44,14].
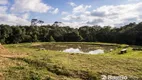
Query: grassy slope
[53,65]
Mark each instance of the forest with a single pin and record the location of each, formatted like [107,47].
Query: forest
[128,34]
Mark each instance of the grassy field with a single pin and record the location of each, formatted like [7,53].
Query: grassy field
[26,62]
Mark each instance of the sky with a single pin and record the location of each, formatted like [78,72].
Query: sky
[74,13]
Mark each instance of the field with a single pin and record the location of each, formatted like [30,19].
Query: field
[46,61]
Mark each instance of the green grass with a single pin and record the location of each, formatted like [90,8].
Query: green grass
[55,65]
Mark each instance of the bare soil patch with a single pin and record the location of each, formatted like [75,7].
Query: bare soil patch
[7,54]
[1,76]
[3,50]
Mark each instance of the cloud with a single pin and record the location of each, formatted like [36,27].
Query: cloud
[30,6]
[56,11]
[19,12]
[98,13]
[64,13]
[111,15]
[71,17]
[79,13]
[25,16]
[95,21]
[3,2]
[75,24]
[116,15]
[81,8]
[3,9]
[12,19]
[72,4]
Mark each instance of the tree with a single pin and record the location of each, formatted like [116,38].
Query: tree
[17,35]
[51,39]
[56,24]
[73,37]
[34,22]
[40,22]
[5,32]
[103,34]
[43,34]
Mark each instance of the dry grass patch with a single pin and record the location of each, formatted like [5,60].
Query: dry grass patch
[3,50]
[1,76]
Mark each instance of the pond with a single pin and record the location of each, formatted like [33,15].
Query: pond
[77,47]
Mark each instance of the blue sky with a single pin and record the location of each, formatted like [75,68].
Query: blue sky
[76,13]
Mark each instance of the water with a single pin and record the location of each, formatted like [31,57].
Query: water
[99,51]
[77,50]
[72,50]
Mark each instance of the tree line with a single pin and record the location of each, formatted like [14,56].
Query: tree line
[128,34]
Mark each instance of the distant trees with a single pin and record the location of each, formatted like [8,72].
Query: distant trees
[34,22]
[72,37]
[57,24]
[40,22]
[5,33]
[51,39]
[129,34]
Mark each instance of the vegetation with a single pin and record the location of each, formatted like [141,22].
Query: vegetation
[29,63]
[128,34]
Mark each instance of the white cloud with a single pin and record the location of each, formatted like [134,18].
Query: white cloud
[3,2]
[11,19]
[74,24]
[78,13]
[64,13]
[30,5]
[55,11]
[71,17]
[81,8]
[117,15]
[25,16]
[106,15]
[72,4]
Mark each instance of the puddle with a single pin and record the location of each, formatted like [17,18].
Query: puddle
[73,50]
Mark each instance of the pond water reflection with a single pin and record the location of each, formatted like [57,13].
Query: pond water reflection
[72,50]
[76,47]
